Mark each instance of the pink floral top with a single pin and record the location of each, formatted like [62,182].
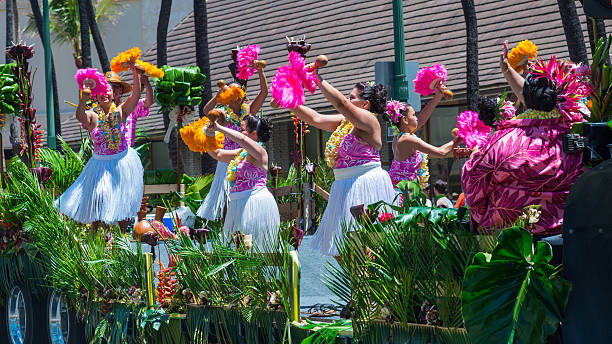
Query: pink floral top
[140,111]
[101,143]
[355,152]
[248,177]
[229,144]
[407,169]
[522,164]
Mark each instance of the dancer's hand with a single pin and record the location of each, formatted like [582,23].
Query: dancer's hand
[503,58]
[144,79]
[438,88]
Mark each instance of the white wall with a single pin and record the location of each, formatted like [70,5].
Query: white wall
[136,27]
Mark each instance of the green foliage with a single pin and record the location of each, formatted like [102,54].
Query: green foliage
[601,80]
[325,333]
[67,166]
[9,101]
[513,295]
[180,86]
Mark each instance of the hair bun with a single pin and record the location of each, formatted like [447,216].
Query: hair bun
[486,110]
[376,94]
[539,93]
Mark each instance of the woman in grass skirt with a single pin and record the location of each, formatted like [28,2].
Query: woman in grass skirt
[252,209]
[218,196]
[353,152]
[110,187]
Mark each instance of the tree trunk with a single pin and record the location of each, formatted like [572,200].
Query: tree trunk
[200,18]
[10,35]
[97,38]
[573,31]
[39,26]
[162,32]
[471,27]
[85,46]
[594,36]
[16,21]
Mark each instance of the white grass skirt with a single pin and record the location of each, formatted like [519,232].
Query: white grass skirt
[109,189]
[365,184]
[253,212]
[218,195]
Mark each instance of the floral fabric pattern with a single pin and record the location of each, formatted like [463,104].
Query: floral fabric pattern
[355,152]
[140,111]
[522,164]
[407,169]
[248,177]
[229,144]
[101,144]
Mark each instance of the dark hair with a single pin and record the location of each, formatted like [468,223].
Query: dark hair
[376,95]
[539,93]
[486,110]
[262,125]
[440,186]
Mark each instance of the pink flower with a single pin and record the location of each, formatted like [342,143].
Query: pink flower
[384,217]
[472,130]
[394,110]
[427,77]
[507,109]
[244,58]
[184,229]
[582,70]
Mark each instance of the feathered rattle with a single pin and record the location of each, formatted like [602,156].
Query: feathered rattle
[229,93]
[287,85]
[244,58]
[92,82]
[472,131]
[427,78]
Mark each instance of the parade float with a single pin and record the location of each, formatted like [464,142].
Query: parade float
[407,273]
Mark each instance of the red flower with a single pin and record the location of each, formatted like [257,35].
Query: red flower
[384,217]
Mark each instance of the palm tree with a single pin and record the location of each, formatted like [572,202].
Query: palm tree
[471,27]
[65,23]
[573,31]
[9,27]
[84,31]
[162,32]
[95,33]
[37,20]
[200,18]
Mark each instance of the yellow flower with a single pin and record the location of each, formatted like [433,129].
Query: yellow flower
[120,62]
[150,69]
[521,54]
[232,168]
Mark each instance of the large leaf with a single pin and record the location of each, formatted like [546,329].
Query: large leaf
[513,295]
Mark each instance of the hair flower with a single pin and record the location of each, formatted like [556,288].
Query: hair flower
[394,110]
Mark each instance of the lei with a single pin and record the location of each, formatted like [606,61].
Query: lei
[108,123]
[232,117]
[539,114]
[332,145]
[232,168]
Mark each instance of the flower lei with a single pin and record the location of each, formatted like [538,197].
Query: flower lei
[232,168]
[332,145]
[423,172]
[233,117]
[108,123]
[539,114]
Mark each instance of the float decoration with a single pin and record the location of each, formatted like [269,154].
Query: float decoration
[426,79]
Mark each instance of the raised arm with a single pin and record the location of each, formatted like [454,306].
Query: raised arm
[514,79]
[83,116]
[412,143]
[317,120]
[256,104]
[149,99]
[428,109]
[361,118]
[253,148]
[224,155]
[130,103]
[211,104]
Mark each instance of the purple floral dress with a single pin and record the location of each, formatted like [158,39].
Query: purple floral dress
[355,152]
[522,164]
[248,177]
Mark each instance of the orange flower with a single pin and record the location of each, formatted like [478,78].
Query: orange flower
[521,54]
[230,94]
[197,140]
[120,62]
[150,69]
[589,104]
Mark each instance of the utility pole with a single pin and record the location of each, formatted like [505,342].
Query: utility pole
[48,78]
[400,83]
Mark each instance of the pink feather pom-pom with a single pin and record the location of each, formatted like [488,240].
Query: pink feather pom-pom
[101,85]
[427,77]
[245,56]
[286,88]
[298,65]
[472,130]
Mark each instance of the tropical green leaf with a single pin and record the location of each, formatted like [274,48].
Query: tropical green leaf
[512,295]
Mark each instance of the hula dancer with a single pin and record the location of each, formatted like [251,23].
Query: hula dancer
[110,187]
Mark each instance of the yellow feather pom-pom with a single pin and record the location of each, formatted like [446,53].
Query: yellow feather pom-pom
[197,141]
[523,52]
[120,62]
[230,94]
[150,69]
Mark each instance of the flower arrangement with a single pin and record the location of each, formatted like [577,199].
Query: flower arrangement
[570,88]
[426,79]
[89,79]
[230,93]
[520,55]
[196,139]
[244,58]
[150,69]
[121,62]
[287,85]
[472,130]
